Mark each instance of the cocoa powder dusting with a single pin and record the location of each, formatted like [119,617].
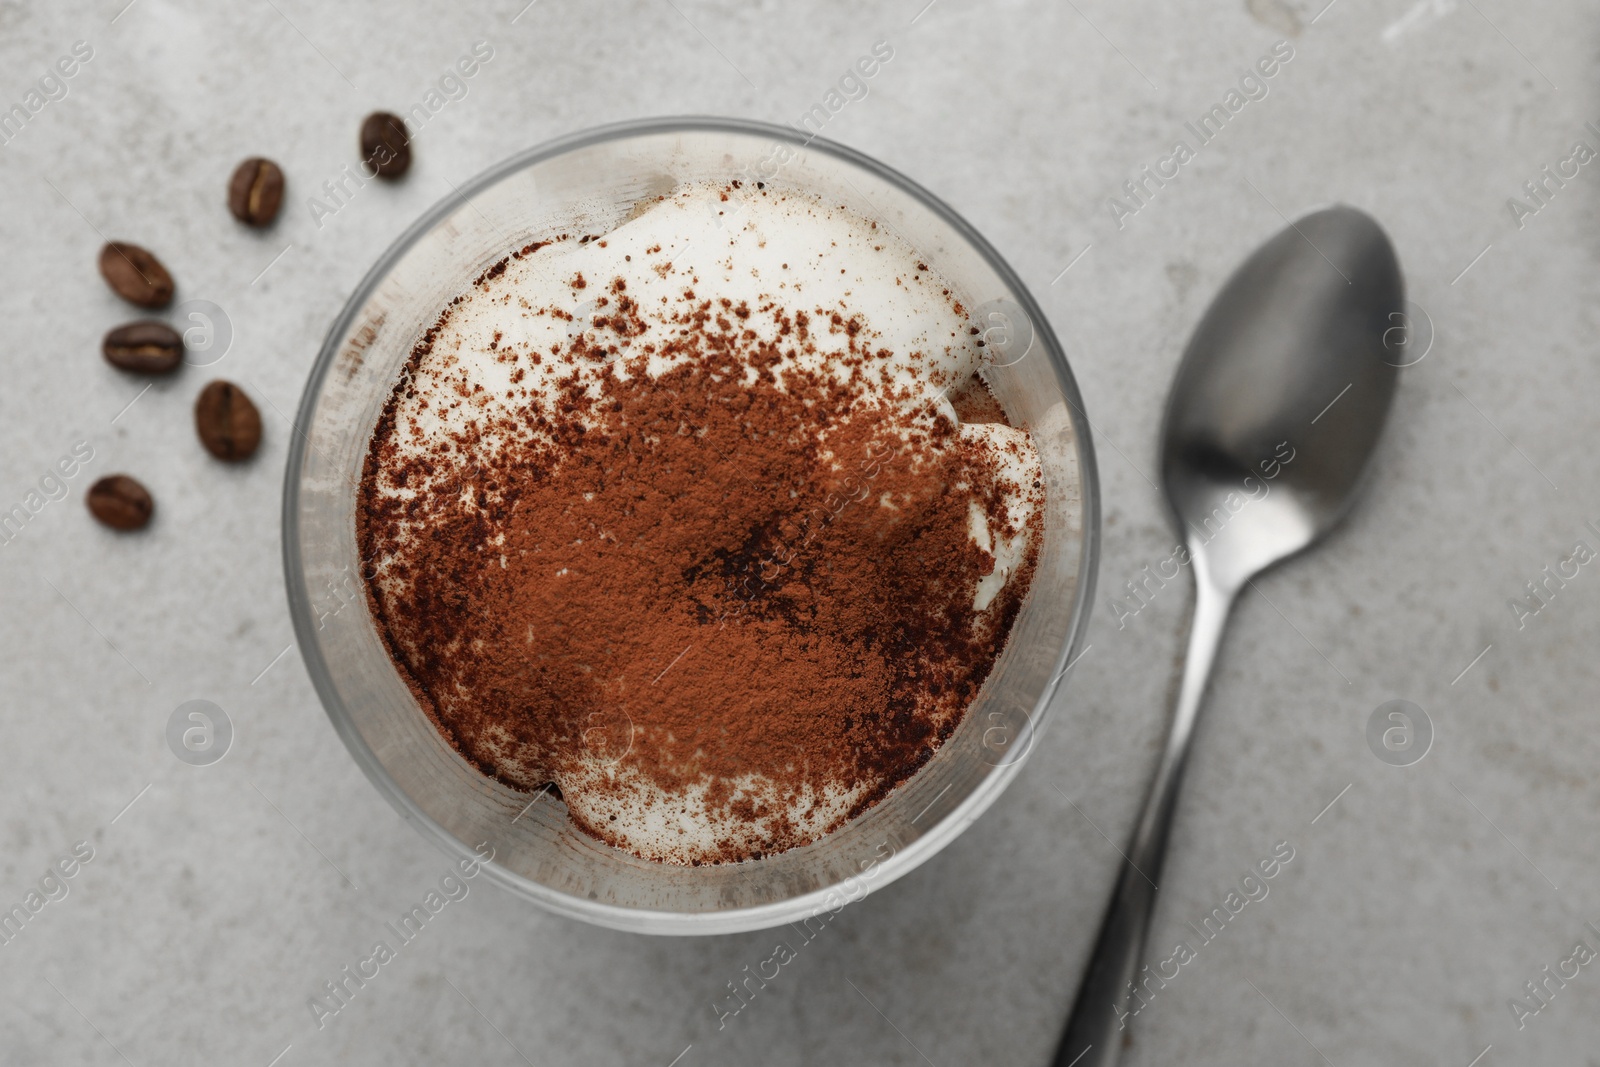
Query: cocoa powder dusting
[747,592]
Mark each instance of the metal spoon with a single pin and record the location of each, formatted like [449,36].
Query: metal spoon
[1275,411]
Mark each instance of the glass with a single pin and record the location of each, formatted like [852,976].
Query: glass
[589,183]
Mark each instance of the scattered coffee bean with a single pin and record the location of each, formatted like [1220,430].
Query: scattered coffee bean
[228,423]
[144,347]
[385,144]
[120,502]
[135,275]
[255,191]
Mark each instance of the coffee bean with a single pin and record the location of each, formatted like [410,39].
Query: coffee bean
[144,347]
[255,191]
[120,502]
[385,144]
[135,275]
[228,423]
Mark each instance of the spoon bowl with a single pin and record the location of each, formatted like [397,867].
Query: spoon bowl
[1282,394]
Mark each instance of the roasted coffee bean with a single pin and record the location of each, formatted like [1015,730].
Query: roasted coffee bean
[120,502]
[135,275]
[385,144]
[145,347]
[228,423]
[255,191]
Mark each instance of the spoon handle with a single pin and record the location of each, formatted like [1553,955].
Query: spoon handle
[1107,999]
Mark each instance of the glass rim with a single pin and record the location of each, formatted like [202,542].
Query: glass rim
[621,917]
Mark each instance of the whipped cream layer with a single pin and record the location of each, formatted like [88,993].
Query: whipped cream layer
[753,286]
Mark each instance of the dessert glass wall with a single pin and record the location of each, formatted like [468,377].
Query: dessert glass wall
[589,183]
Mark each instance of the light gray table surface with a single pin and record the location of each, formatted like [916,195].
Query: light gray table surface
[1416,906]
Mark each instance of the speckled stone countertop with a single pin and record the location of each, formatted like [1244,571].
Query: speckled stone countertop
[1419,899]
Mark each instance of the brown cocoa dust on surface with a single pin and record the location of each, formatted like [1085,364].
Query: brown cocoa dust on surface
[738,594]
